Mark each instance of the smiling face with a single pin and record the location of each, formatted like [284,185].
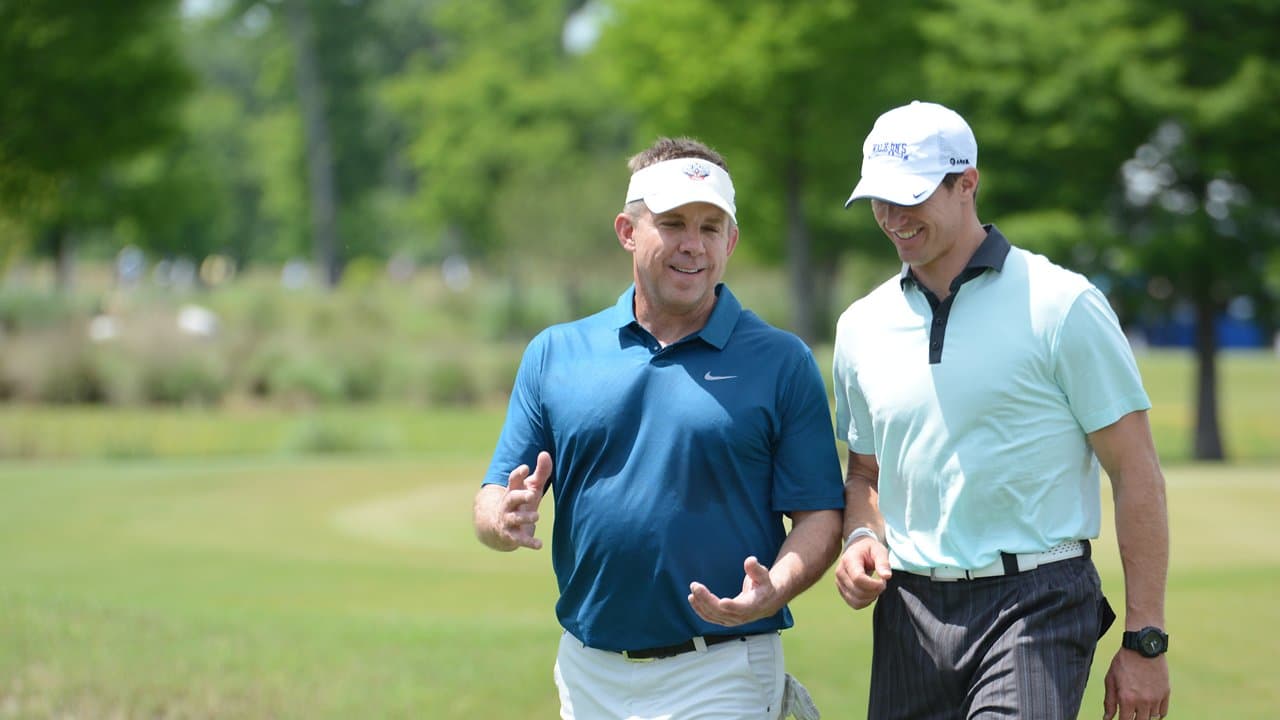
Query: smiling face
[678,257]
[934,237]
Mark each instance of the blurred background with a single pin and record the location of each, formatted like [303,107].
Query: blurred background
[299,202]
[267,268]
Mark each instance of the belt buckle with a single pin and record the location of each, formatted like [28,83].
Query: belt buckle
[946,573]
[626,654]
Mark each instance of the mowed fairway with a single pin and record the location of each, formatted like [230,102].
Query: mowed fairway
[247,589]
[340,588]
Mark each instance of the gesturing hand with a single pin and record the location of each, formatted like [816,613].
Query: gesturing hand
[854,578]
[759,598]
[519,508]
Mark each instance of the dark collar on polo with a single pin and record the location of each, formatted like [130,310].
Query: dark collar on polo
[990,255]
[720,324]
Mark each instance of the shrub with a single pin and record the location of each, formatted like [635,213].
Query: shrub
[53,366]
[328,436]
[450,382]
[25,310]
[305,379]
[73,378]
[363,374]
[190,377]
[521,312]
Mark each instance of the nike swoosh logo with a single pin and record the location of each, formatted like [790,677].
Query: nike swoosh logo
[917,195]
[709,376]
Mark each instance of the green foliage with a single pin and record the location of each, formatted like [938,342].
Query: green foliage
[328,436]
[1145,119]
[59,58]
[1042,86]
[787,91]
[188,377]
[71,377]
[25,309]
[451,382]
[499,111]
[295,376]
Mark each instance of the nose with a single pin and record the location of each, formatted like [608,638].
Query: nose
[690,241]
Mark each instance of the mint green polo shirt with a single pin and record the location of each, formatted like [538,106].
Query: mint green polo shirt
[977,410]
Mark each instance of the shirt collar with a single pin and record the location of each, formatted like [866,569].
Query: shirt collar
[720,324]
[990,254]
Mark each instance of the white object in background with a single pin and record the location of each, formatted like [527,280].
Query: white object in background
[103,328]
[198,321]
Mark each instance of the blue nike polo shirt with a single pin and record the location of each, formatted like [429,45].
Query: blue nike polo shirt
[670,464]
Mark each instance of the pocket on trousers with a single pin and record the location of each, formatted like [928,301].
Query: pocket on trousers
[766,666]
[1106,616]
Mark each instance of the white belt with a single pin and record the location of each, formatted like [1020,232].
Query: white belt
[1009,564]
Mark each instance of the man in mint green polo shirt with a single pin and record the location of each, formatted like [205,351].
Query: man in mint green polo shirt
[978,391]
[676,431]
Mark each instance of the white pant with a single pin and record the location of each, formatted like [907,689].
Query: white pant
[736,680]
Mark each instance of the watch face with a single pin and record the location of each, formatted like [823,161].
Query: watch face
[1152,644]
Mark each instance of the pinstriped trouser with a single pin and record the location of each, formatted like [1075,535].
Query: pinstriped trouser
[1017,646]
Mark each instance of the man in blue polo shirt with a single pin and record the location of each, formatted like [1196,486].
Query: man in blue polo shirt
[978,390]
[675,430]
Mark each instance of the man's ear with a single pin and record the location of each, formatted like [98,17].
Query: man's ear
[969,180]
[624,226]
[733,238]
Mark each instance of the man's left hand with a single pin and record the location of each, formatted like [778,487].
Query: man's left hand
[1137,688]
[758,599]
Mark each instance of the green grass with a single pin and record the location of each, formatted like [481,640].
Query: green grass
[353,587]
[52,432]
[260,563]
[1248,403]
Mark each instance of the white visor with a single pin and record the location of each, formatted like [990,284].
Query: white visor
[671,183]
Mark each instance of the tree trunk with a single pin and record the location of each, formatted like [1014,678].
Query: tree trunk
[799,255]
[321,184]
[64,258]
[826,271]
[1208,440]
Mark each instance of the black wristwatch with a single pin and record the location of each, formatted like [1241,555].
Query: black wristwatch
[1149,641]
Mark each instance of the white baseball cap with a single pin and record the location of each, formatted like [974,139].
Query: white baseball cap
[671,183]
[910,149]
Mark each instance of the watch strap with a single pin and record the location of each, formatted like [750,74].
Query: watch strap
[1132,640]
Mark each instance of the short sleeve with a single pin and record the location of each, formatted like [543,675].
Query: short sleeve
[853,417]
[806,466]
[524,432]
[1094,364]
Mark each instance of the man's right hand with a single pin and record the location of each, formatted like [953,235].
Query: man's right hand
[506,518]
[854,578]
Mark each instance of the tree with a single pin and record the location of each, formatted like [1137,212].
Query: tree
[313,106]
[1207,222]
[511,141]
[1063,96]
[85,85]
[318,149]
[787,91]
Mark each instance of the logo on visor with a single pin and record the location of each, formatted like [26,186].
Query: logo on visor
[697,171]
[891,149]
